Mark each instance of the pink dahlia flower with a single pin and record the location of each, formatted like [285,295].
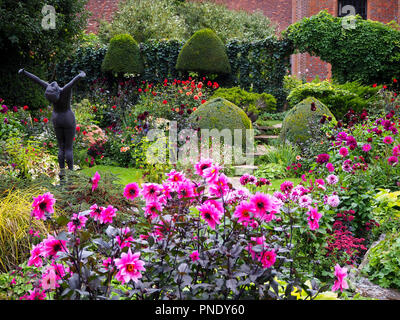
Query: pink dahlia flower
[313,218]
[131,191]
[42,205]
[244,212]
[333,201]
[36,256]
[108,214]
[210,214]
[340,282]
[343,151]
[153,209]
[150,191]
[194,256]
[265,206]
[95,181]
[51,246]
[96,212]
[125,239]
[332,179]
[268,258]
[219,187]
[366,147]
[211,174]
[77,223]
[330,167]
[202,165]
[388,140]
[129,267]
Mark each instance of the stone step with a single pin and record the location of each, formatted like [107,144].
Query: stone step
[265,137]
[242,169]
[266,128]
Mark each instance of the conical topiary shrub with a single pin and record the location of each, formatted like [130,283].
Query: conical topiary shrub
[123,56]
[205,53]
[302,124]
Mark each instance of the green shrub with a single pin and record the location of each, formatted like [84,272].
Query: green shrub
[204,52]
[387,211]
[301,125]
[383,267]
[370,52]
[282,154]
[340,98]
[271,171]
[250,102]
[221,114]
[123,55]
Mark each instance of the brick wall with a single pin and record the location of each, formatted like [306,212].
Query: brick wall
[100,9]
[384,11]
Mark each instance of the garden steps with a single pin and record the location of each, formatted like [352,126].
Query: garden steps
[265,137]
[267,128]
[243,169]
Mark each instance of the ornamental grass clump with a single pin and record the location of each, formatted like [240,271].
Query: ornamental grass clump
[15,227]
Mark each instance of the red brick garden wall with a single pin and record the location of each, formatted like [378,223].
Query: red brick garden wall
[100,9]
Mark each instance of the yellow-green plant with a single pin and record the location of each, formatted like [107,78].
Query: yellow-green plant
[15,223]
[30,158]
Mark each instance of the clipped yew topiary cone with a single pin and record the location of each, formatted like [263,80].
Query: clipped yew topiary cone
[205,53]
[123,56]
[302,124]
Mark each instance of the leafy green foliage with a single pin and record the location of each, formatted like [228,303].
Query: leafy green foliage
[369,52]
[339,98]
[250,102]
[383,266]
[204,52]
[271,171]
[386,210]
[123,55]
[24,43]
[170,19]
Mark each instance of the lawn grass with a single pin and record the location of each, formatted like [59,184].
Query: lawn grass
[124,175]
[277,183]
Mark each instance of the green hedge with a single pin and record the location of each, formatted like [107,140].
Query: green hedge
[340,98]
[259,66]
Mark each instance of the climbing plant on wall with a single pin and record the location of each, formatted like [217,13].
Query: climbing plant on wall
[359,50]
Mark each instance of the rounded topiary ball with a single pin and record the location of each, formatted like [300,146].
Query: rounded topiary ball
[302,125]
[123,55]
[221,114]
[204,52]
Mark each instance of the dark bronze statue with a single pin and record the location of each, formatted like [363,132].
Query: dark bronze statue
[62,117]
